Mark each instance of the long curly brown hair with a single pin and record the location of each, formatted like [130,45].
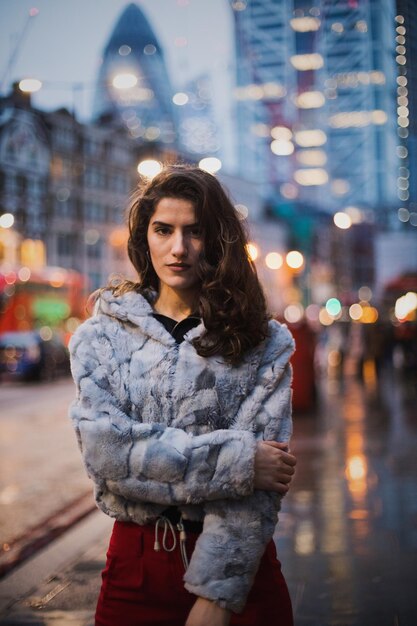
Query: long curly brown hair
[231,301]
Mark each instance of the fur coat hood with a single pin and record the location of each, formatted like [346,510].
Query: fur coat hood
[159,425]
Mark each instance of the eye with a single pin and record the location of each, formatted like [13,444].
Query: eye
[162,230]
[195,232]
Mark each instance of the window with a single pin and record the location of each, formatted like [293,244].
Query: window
[65,138]
[10,184]
[94,212]
[94,251]
[64,209]
[67,244]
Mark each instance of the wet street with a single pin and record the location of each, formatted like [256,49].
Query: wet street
[40,465]
[348,532]
[347,536]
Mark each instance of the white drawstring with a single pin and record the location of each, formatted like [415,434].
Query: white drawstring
[183,538]
[167,524]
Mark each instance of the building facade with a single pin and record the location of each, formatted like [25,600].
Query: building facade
[67,185]
[329,137]
[331,142]
[264,45]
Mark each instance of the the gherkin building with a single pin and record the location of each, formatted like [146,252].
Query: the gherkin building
[133,83]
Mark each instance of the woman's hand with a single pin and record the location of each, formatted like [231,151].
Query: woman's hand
[274,466]
[207,613]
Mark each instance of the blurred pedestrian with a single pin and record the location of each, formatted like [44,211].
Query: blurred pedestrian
[183,417]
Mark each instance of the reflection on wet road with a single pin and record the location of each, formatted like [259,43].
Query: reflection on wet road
[347,536]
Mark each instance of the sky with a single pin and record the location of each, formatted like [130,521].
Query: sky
[64,42]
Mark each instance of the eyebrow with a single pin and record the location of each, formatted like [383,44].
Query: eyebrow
[158,223]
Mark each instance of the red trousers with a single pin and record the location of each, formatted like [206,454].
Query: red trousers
[142,587]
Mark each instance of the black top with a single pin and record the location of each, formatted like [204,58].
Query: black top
[178,329]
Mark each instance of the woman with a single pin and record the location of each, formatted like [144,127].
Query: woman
[183,418]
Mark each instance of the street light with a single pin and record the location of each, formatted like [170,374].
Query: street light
[122,82]
[342,220]
[295,259]
[6,220]
[149,168]
[274,260]
[30,85]
[210,164]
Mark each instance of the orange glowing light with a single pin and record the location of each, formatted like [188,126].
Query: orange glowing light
[356,467]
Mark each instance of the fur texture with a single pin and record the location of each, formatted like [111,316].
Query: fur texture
[159,425]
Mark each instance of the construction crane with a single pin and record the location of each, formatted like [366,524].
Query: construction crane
[17,47]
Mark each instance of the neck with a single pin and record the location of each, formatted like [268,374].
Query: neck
[174,304]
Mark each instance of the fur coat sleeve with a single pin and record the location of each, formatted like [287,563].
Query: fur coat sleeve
[148,462]
[228,552]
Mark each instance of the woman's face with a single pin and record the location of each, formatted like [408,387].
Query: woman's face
[175,243]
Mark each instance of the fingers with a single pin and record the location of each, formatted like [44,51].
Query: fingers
[287,458]
[281,445]
[282,489]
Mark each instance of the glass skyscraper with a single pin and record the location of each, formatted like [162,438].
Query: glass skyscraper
[133,82]
[328,135]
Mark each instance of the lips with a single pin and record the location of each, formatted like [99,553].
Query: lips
[177,267]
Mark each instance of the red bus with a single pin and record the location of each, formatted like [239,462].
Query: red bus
[53,297]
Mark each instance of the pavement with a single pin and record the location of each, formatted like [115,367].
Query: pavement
[347,535]
[59,585]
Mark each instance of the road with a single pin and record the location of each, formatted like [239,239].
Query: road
[41,469]
[347,535]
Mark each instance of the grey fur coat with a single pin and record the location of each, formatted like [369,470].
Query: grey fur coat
[159,425]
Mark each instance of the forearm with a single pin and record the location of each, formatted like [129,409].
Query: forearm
[228,552]
[207,613]
[154,463]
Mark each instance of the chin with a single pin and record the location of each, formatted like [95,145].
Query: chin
[181,285]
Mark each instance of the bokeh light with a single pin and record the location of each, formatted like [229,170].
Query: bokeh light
[124,81]
[324,318]
[30,85]
[274,260]
[405,305]
[294,259]
[342,220]
[281,132]
[148,168]
[253,251]
[333,307]
[6,220]
[210,164]
[365,293]
[294,313]
[24,274]
[355,312]
[180,98]
[282,147]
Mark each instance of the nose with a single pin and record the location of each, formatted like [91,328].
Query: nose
[179,246]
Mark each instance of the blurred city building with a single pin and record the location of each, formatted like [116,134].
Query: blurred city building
[134,58]
[356,42]
[322,121]
[326,183]
[313,109]
[264,45]
[406,59]
[66,185]
[396,242]
[198,133]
